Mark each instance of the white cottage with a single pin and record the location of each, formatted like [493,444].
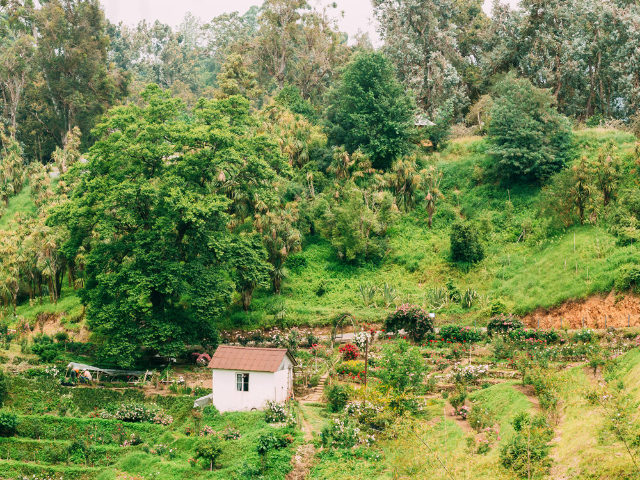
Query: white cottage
[245,378]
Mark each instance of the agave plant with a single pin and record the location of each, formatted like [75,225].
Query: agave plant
[469,296]
[389,294]
[437,298]
[368,293]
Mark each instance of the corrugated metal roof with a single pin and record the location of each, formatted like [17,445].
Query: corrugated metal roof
[249,358]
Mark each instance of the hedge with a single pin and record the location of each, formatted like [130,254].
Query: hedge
[95,430]
[14,469]
[56,451]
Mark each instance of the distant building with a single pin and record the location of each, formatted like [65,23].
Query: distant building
[245,378]
[422,120]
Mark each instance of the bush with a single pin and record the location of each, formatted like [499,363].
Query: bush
[465,243]
[528,450]
[458,397]
[411,318]
[529,139]
[627,278]
[503,325]
[349,351]
[457,333]
[8,423]
[351,368]
[272,441]
[401,373]
[337,397]
[584,336]
[548,336]
[209,450]
[4,387]
[275,413]
[44,347]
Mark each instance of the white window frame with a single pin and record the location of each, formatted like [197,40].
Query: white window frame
[242,382]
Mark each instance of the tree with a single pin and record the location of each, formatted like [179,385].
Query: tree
[607,172]
[77,84]
[370,110]
[580,191]
[356,222]
[209,450]
[433,178]
[465,243]
[529,140]
[248,258]
[158,222]
[421,38]
[17,48]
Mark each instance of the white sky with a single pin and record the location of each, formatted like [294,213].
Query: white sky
[352,15]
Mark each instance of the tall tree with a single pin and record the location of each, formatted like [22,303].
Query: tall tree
[371,111]
[77,84]
[155,217]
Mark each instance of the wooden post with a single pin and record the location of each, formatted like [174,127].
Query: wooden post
[538,323]
[582,319]
[605,322]
[366,363]
[628,321]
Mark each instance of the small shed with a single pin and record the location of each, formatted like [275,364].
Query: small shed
[245,378]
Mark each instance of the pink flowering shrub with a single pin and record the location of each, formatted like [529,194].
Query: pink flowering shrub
[412,319]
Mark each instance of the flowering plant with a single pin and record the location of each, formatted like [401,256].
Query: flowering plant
[411,318]
[349,351]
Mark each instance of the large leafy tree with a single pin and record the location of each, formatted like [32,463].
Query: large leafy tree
[77,85]
[529,139]
[155,213]
[370,110]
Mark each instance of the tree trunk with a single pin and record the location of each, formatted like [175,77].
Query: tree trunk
[247,294]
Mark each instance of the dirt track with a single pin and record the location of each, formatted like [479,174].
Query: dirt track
[589,313]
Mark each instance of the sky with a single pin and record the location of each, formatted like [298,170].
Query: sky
[353,16]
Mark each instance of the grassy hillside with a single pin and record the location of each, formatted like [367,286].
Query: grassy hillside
[543,269]
[519,274]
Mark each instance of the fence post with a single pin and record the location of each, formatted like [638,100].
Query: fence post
[628,321]
[582,320]
[538,323]
[605,322]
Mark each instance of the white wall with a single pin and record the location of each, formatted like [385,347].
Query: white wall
[263,386]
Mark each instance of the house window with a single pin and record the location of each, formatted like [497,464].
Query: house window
[242,382]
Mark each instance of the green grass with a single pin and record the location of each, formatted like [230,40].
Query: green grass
[21,203]
[426,448]
[543,270]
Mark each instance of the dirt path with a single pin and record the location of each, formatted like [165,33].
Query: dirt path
[303,459]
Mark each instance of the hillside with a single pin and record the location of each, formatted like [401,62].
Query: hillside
[517,276]
[538,271]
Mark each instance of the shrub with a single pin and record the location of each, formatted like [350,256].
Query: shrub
[337,397]
[627,278]
[401,367]
[351,368]
[275,413]
[457,333]
[209,450]
[480,418]
[465,243]
[272,441]
[548,336]
[528,450]
[4,387]
[8,423]
[44,347]
[349,351]
[341,433]
[503,325]
[584,336]
[458,397]
[529,139]
[411,318]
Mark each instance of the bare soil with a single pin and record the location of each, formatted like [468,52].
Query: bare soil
[620,311]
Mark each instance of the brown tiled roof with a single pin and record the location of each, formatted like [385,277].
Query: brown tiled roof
[249,358]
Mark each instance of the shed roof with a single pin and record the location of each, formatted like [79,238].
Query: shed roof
[255,359]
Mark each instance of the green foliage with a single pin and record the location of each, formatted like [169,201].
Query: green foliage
[466,246]
[4,387]
[275,413]
[337,397]
[401,367]
[272,441]
[209,449]
[503,325]
[627,278]
[457,333]
[369,110]
[529,139]
[528,451]
[411,318]
[178,232]
[8,423]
